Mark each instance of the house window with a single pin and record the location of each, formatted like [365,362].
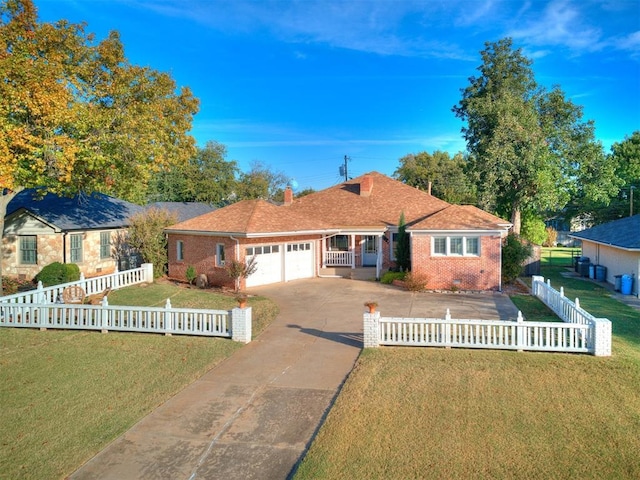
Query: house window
[473,246]
[105,245]
[456,246]
[440,245]
[339,242]
[220,255]
[29,249]
[392,245]
[180,250]
[75,247]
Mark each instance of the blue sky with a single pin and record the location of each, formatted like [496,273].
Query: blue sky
[297,85]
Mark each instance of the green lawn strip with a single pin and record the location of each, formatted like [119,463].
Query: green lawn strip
[559,256]
[434,413]
[67,394]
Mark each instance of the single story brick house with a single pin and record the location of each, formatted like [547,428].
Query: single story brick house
[615,246]
[84,230]
[350,226]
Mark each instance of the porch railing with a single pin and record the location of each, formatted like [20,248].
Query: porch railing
[338,259]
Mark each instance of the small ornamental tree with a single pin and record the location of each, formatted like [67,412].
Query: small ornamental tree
[237,269]
[146,235]
[402,246]
[514,253]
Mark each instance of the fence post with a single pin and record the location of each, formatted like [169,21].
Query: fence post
[520,333]
[534,284]
[168,319]
[148,272]
[371,329]
[601,337]
[241,324]
[104,315]
[447,329]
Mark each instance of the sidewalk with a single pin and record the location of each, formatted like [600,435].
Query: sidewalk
[254,415]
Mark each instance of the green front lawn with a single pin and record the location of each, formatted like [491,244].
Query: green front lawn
[413,413]
[64,395]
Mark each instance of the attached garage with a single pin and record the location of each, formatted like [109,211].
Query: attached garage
[268,264]
[283,262]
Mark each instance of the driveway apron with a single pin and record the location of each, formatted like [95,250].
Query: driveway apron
[254,415]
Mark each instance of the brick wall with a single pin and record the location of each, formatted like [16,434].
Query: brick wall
[463,273]
[200,251]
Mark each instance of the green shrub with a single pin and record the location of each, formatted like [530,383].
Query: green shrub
[56,273]
[389,277]
[514,253]
[191,274]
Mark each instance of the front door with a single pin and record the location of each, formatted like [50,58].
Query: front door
[369,251]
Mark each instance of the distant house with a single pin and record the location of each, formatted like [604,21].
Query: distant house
[183,210]
[614,245]
[349,227]
[87,230]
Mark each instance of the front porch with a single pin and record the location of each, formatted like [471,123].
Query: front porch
[356,250]
[356,273]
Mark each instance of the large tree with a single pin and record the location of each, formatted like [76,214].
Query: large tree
[529,148]
[207,177]
[76,116]
[261,182]
[443,175]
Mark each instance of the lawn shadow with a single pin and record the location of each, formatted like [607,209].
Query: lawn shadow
[351,339]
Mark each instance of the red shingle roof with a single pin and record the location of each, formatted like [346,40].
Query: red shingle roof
[343,207]
[250,217]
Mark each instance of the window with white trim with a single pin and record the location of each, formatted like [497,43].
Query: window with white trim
[459,246]
[220,255]
[339,243]
[180,250]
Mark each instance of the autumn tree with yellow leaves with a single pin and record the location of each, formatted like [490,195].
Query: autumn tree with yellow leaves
[76,116]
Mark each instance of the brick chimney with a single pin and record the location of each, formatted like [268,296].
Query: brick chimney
[366,185]
[288,196]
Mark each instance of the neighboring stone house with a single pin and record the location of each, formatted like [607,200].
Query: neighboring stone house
[615,246]
[346,228]
[87,230]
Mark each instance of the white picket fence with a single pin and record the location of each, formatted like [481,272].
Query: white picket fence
[579,333]
[234,324]
[91,286]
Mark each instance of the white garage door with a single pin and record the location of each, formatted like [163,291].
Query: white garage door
[268,265]
[298,261]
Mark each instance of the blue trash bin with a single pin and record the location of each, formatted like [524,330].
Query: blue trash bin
[626,284]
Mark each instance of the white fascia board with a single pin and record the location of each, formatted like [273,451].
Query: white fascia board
[606,244]
[457,232]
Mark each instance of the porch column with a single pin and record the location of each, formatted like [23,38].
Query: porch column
[379,258]
[353,251]
[323,249]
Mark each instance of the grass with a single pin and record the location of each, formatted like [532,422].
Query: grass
[66,394]
[434,413]
[558,256]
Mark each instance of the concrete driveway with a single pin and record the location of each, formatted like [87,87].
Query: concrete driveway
[254,415]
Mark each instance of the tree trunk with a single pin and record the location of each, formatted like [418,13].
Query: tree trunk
[5,198]
[516,220]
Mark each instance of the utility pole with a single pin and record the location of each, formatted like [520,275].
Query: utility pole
[343,168]
[631,188]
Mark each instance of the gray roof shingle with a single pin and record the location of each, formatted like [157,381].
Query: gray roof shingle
[623,233]
[81,212]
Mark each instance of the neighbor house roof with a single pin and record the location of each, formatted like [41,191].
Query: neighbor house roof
[249,218]
[183,210]
[81,212]
[623,233]
[461,217]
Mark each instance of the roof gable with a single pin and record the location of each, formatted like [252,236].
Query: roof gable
[461,217]
[623,233]
[81,212]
